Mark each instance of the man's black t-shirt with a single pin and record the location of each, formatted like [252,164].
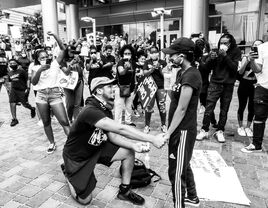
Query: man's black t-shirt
[192,78]
[107,71]
[85,139]
[18,79]
[157,73]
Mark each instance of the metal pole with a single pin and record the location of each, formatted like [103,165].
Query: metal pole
[94,31]
[162,33]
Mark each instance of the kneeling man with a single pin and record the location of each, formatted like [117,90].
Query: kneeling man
[96,138]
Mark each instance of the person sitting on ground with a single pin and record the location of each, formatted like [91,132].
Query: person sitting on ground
[19,90]
[96,138]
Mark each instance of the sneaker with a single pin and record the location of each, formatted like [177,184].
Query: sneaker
[219,136]
[14,122]
[194,202]
[164,128]
[33,113]
[250,148]
[202,135]
[136,113]
[132,197]
[249,132]
[51,148]
[241,131]
[146,129]
[202,109]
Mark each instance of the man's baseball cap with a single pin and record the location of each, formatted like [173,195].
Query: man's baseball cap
[181,45]
[101,81]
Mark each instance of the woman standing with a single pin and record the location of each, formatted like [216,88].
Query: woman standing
[125,71]
[182,122]
[245,93]
[45,78]
[154,67]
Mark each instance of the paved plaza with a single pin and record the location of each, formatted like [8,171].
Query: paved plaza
[29,177]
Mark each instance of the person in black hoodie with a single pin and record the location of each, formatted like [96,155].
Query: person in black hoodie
[224,64]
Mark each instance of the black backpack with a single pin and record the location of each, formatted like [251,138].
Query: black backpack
[141,176]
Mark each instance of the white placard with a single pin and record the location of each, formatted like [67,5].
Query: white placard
[3,29]
[15,32]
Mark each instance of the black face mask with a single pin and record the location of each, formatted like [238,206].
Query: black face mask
[14,67]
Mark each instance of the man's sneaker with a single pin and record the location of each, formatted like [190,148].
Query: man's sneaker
[14,122]
[146,129]
[51,148]
[250,148]
[132,197]
[164,128]
[241,131]
[194,202]
[202,135]
[219,136]
[136,113]
[33,113]
[249,132]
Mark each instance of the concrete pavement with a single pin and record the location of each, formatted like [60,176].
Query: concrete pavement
[31,178]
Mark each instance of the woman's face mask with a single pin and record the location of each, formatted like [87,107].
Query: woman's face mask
[224,47]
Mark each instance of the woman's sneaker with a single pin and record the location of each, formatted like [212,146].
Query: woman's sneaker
[193,202]
[241,131]
[136,113]
[14,122]
[51,148]
[249,132]
[250,148]
[202,135]
[219,135]
[131,197]
[146,129]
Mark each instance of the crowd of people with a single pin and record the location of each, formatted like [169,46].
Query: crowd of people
[100,128]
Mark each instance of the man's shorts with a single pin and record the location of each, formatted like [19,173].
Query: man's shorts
[81,174]
[49,96]
[17,96]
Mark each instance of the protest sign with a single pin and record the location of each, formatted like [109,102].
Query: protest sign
[69,81]
[3,29]
[15,32]
[146,90]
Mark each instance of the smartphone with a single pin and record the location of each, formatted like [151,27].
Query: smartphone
[48,61]
[254,49]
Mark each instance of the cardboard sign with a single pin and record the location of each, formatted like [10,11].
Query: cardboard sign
[15,32]
[3,29]
[69,81]
[146,90]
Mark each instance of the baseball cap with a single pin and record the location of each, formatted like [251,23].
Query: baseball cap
[100,81]
[180,45]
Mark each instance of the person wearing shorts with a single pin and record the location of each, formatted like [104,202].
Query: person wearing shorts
[96,138]
[19,90]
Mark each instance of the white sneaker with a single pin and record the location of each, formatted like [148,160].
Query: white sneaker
[202,109]
[202,135]
[241,131]
[250,148]
[249,132]
[219,136]
[146,129]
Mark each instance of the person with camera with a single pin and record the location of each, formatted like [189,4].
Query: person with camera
[108,61]
[259,64]
[245,92]
[49,95]
[154,67]
[224,64]
[124,93]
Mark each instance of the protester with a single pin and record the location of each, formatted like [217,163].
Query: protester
[4,72]
[24,61]
[259,65]
[108,61]
[124,93]
[49,95]
[224,64]
[245,92]
[154,67]
[19,90]
[96,138]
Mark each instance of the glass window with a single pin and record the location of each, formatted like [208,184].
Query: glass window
[221,8]
[227,24]
[247,6]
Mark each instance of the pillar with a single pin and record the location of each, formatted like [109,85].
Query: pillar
[72,21]
[50,17]
[195,17]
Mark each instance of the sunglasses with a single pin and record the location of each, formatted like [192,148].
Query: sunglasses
[127,53]
[93,52]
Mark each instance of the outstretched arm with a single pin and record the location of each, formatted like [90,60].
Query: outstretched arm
[61,45]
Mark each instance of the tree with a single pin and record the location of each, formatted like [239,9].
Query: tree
[33,26]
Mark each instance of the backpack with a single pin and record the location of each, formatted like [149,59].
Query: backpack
[141,175]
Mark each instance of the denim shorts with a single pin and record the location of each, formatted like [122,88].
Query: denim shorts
[49,96]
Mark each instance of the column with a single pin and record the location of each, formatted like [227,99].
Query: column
[72,21]
[195,17]
[50,17]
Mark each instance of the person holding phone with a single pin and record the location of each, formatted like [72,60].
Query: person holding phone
[245,92]
[49,96]
[259,65]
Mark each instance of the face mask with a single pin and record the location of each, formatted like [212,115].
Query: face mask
[128,57]
[43,62]
[14,67]
[154,56]
[224,47]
